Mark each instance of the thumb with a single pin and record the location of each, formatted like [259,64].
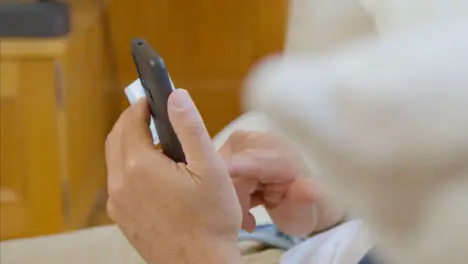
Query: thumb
[190,129]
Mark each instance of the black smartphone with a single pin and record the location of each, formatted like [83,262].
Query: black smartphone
[158,86]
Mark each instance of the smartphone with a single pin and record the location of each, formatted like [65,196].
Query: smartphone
[158,86]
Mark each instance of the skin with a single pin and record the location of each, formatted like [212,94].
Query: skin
[267,171]
[172,213]
[192,213]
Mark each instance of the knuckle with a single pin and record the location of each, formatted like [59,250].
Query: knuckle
[109,140]
[116,200]
[258,165]
[134,165]
[111,210]
[113,189]
[114,185]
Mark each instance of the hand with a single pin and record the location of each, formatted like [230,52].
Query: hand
[266,171]
[172,213]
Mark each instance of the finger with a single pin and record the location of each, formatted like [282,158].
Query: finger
[275,193]
[302,191]
[248,199]
[135,130]
[297,205]
[244,190]
[232,142]
[237,140]
[113,148]
[114,160]
[248,222]
[114,156]
[266,166]
[190,129]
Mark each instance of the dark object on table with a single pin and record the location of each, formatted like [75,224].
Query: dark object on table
[40,19]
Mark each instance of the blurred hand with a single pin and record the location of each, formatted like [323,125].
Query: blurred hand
[266,171]
[172,213]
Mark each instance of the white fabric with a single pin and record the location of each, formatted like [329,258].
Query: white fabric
[386,122]
[135,92]
[330,246]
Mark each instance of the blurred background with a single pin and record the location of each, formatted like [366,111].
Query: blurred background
[63,68]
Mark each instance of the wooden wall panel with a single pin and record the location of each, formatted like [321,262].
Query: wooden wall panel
[208,45]
[30,197]
[57,106]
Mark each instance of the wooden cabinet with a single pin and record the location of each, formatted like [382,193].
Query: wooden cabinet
[57,105]
[208,45]
[30,178]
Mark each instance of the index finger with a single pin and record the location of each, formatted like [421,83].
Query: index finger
[265,166]
[113,149]
[136,134]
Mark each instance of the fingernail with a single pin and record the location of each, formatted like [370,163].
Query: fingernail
[182,100]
